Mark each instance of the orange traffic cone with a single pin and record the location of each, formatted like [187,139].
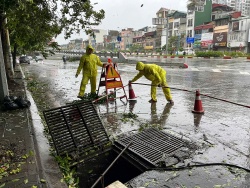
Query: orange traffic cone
[131,92]
[198,104]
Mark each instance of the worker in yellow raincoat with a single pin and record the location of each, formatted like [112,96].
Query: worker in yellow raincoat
[88,66]
[157,75]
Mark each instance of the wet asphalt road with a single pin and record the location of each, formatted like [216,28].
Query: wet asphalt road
[225,125]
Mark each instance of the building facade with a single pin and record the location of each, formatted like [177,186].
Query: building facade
[239,33]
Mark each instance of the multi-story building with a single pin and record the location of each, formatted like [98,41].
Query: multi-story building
[231,3]
[205,35]
[110,41]
[96,39]
[149,40]
[197,14]
[161,21]
[177,27]
[220,16]
[239,33]
[210,25]
[126,38]
[75,44]
[240,5]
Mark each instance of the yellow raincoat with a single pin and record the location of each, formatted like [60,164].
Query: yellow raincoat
[88,65]
[156,75]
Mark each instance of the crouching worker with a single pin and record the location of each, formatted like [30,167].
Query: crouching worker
[88,65]
[157,75]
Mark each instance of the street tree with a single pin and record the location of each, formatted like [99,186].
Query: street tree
[32,24]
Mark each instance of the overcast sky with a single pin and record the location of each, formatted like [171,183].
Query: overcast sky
[121,14]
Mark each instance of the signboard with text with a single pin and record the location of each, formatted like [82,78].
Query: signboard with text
[206,40]
[190,40]
[119,38]
[197,37]
[220,39]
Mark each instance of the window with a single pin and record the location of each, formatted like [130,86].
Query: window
[189,33]
[190,22]
[197,31]
[200,8]
[176,24]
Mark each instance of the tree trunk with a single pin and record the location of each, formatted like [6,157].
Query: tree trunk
[6,53]
[3,80]
[14,55]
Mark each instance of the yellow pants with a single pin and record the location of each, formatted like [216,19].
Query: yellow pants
[166,91]
[85,80]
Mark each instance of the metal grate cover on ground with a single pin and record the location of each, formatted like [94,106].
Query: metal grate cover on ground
[75,128]
[153,145]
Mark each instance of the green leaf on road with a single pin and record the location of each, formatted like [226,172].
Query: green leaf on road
[42,180]
[26,181]
[15,180]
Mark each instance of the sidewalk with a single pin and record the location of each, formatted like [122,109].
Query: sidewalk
[24,151]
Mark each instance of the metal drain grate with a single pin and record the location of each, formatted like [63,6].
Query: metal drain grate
[153,145]
[75,128]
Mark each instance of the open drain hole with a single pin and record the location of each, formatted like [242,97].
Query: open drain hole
[123,170]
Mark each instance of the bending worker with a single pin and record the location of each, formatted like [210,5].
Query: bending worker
[88,65]
[157,75]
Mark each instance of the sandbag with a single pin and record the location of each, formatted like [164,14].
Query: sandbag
[13,102]
[22,103]
[9,104]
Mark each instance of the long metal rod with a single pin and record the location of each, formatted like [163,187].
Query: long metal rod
[102,175]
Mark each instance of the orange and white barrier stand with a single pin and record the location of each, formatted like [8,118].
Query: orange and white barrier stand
[198,109]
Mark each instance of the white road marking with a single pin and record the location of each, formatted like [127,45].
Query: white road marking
[194,69]
[223,66]
[216,70]
[244,73]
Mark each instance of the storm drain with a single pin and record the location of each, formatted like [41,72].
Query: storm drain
[76,128]
[153,145]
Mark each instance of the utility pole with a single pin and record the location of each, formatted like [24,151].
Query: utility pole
[3,79]
[178,42]
[167,34]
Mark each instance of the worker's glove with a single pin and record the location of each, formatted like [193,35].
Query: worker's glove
[76,75]
[104,65]
[159,85]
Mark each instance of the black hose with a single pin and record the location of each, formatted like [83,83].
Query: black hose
[247,106]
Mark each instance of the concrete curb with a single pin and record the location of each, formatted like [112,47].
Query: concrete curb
[46,164]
